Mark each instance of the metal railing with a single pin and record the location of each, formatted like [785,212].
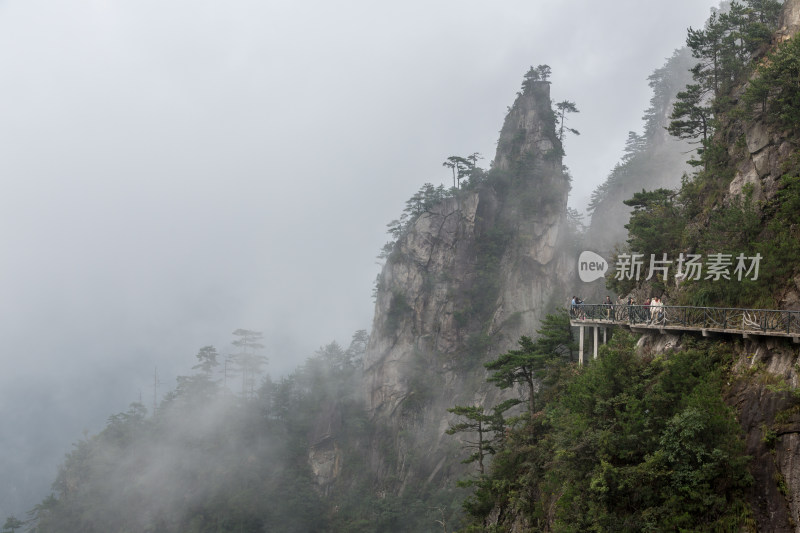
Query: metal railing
[756,321]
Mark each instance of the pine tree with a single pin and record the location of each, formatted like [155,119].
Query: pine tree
[247,359]
[12,524]
[489,429]
[563,108]
[539,74]
[528,365]
[724,48]
[691,117]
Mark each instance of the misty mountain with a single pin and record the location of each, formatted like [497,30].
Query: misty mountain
[464,407]
[175,171]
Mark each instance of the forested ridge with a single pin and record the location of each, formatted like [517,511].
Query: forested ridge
[217,455]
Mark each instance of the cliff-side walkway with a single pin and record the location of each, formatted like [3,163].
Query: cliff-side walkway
[707,320]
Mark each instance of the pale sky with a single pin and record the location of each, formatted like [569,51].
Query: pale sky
[173,170]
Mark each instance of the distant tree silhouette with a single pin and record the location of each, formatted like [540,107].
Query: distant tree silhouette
[12,524]
[248,361]
[563,108]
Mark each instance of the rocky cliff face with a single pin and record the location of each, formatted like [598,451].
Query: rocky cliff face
[760,163]
[764,379]
[770,420]
[764,394]
[762,159]
[759,389]
[470,276]
[790,20]
[762,152]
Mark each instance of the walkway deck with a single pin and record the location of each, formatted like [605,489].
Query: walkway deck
[706,320]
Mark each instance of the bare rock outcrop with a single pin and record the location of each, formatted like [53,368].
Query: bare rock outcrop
[760,169]
[771,430]
[467,278]
[789,23]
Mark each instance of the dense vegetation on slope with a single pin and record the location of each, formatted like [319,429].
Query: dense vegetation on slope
[628,443]
[644,443]
[732,100]
[215,458]
[210,460]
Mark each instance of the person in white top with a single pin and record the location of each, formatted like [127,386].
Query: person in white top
[656,309]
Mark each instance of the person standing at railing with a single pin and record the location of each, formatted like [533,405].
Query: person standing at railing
[609,306]
[576,308]
[656,310]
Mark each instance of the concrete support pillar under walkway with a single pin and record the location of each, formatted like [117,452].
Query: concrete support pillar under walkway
[582,336]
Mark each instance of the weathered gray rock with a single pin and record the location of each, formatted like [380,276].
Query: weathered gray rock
[757,137]
[791,299]
[790,20]
[324,455]
[656,343]
[761,162]
[425,322]
[325,459]
[527,129]
[775,458]
[748,175]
